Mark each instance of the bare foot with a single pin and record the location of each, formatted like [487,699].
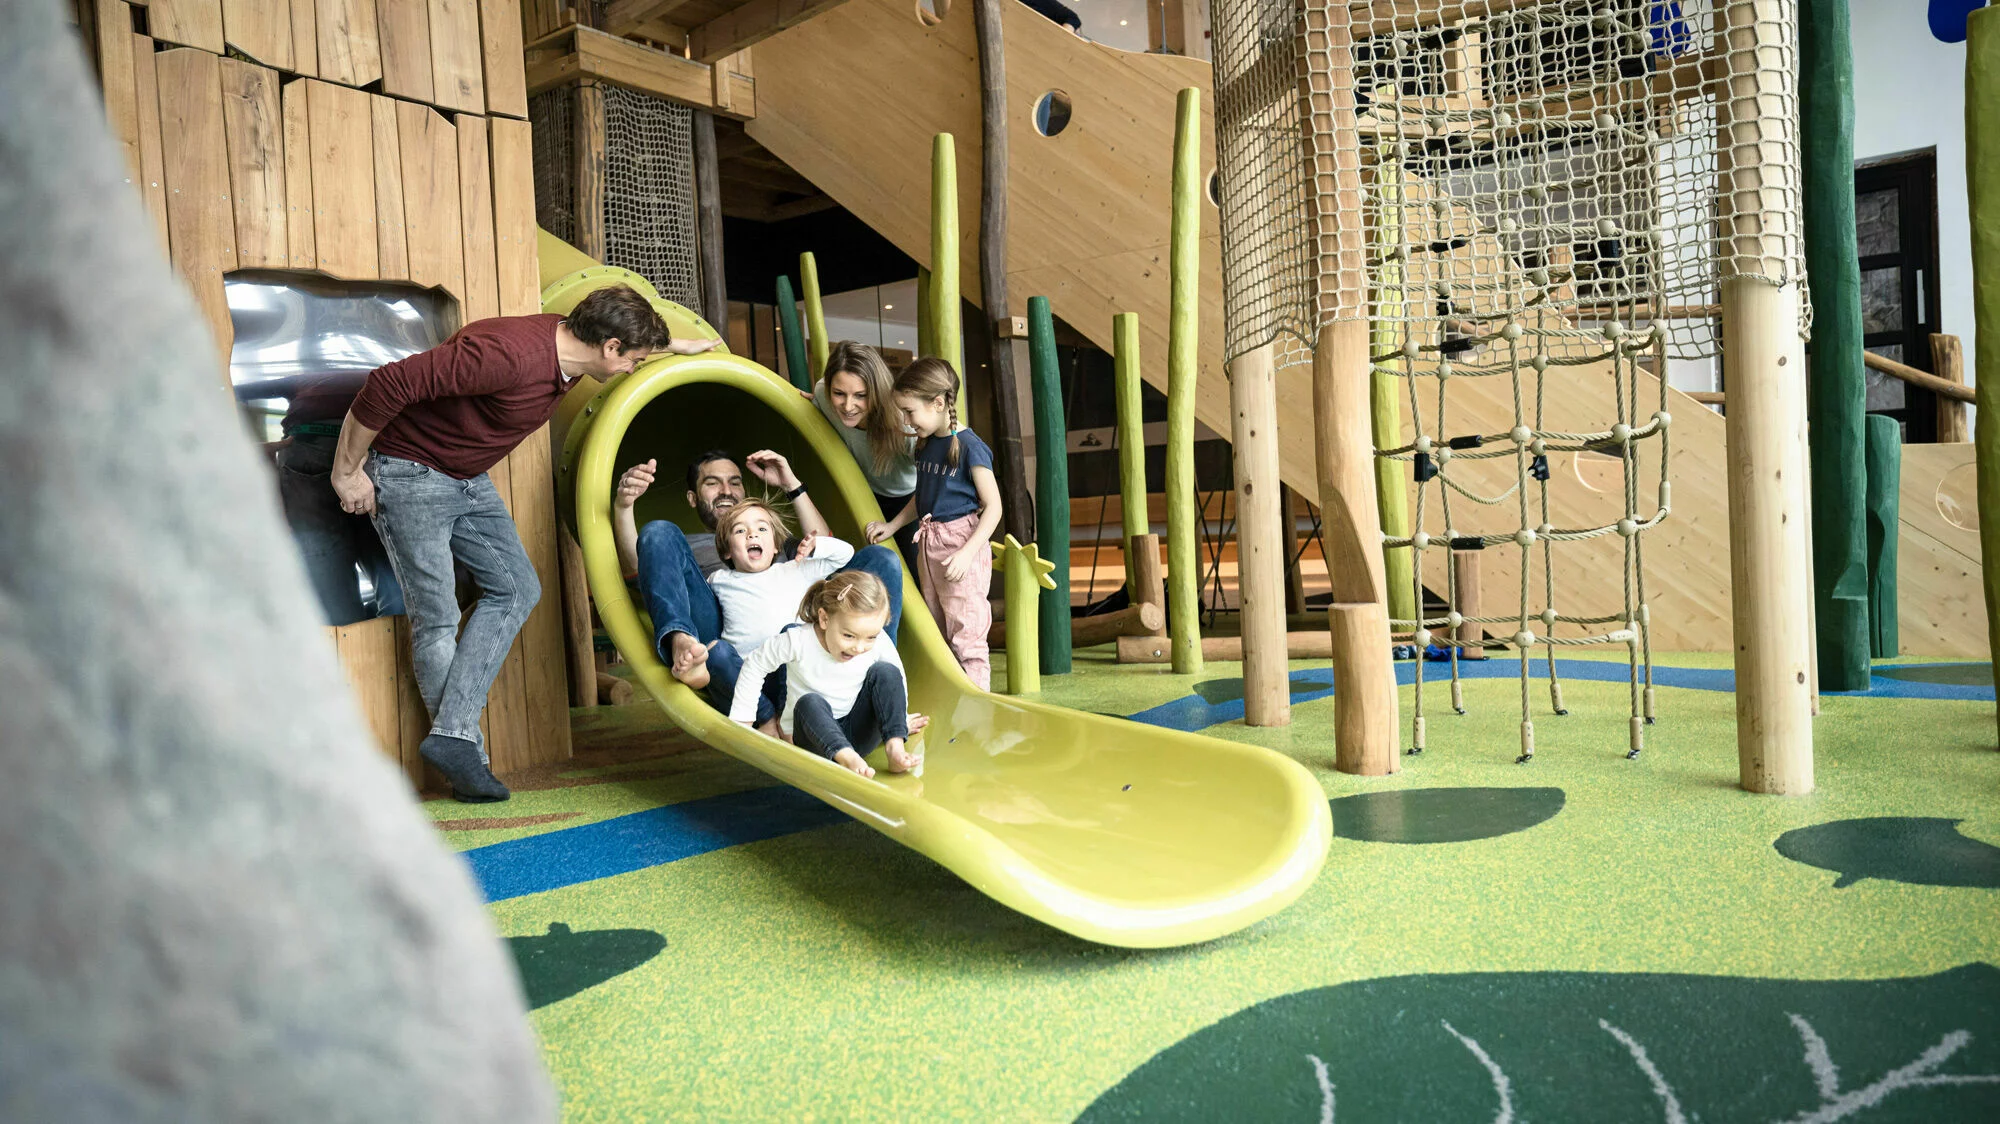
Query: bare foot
[690,660]
[917,722]
[900,760]
[849,759]
[771,729]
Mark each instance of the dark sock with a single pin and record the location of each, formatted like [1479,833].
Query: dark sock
[471,781]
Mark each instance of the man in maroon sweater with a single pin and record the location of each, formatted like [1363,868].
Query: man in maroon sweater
[413,453]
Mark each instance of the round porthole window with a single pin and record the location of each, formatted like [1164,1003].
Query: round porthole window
[1215,188]
[1052,113]
[930,13]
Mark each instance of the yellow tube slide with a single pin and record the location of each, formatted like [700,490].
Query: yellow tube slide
[1118,833]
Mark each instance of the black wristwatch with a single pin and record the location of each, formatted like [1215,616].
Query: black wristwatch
[795,493]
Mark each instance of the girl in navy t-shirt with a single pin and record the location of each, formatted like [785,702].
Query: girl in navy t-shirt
[958,503]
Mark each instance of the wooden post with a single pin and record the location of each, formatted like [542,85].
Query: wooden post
[947,332]
[1007,428]
[817,345]
[1051,484]
[708,225]
[1183,371]
[1295,578]
[1131,447]
[587,141]
[1465,578]
[1948,363]
[1764,367]
[579,639]
[1350,520]
[1982,183]
[1385,400]
[1260,540]
[1147,580]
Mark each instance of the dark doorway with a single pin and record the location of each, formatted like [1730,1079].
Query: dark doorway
[1895,216]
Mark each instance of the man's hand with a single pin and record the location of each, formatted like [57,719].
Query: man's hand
[691,347]
[356,492]
[633,483]
[772,468]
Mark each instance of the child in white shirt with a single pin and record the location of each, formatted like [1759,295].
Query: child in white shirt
[847,692]
[759,594]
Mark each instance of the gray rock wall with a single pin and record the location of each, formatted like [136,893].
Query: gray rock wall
[218,901]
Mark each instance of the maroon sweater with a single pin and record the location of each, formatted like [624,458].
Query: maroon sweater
[462,406]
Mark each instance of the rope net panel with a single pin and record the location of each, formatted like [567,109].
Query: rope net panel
[1553,194]
[649,207]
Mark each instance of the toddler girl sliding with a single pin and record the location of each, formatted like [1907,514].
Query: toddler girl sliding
[846,691]
[958,503]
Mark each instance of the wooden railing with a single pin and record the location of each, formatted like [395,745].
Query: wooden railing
[1947,355]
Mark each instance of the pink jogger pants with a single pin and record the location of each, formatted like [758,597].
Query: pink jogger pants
[961,608]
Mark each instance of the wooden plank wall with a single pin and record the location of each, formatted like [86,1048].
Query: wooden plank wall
[274,158]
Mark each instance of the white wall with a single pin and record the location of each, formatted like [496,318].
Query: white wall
[1909,93]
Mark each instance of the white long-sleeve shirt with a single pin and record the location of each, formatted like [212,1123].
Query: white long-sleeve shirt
[756,606]
[809,669]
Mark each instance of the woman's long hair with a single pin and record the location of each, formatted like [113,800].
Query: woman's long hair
[886,439]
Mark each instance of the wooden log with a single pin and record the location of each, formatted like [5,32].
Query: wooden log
[475,208]
[255,128]
[1295,578]
[405,31]
[1469,603]
[708,225]
[1183,373]
[1948,363]
[1365,690]
[1764,362]
[1009,448]
[1943,388]
[500,46]
[817,345]
[1144,619]
[343,179]
[947,330]
[1260,538]
[152,168]
[1314,645]
[611,690]
[587,141]
[1147,580]
[392,235]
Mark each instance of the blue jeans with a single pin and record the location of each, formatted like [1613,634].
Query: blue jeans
[678,599]
[335,546]
[427,520]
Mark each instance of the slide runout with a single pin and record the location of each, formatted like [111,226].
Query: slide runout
[1117,833]
[1088,226]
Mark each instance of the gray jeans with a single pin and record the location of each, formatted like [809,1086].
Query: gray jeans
[427,520]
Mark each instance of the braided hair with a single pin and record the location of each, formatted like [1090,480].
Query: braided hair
[931,377]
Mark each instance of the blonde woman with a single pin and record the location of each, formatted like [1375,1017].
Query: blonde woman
[855,394]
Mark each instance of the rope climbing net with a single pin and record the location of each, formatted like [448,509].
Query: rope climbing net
[1536,206]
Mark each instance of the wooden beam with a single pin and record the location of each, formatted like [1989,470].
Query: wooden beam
[1948,359]
[708,225]
[622,17]
[1007,427]
[606,58]
[1944,388]
[751,23]
[799,208]
[587,150]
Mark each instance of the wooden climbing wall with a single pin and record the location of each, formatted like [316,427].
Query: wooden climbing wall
[253,146]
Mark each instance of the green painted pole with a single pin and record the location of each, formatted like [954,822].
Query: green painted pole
[1183,359]
[947,333]
[1385,398]
[926,331]
[815,317]
[795,342]
[1982,190]
[1024,570]
[1836,391]
[1131,439]
[1885,480]
[1051,483]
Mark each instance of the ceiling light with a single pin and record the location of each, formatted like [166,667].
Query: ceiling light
[1122,23]
[888,308]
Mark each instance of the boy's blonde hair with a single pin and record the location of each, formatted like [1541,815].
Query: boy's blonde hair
[738,514]
[884,427]
[931,377]
[853,591]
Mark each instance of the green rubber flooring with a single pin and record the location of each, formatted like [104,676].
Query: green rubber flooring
[1581,937]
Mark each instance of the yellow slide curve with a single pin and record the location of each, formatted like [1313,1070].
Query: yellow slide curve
[1116,832]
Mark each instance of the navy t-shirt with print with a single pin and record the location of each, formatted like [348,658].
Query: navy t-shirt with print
[945,493]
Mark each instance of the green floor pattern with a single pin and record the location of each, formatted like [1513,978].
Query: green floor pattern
[832,975]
